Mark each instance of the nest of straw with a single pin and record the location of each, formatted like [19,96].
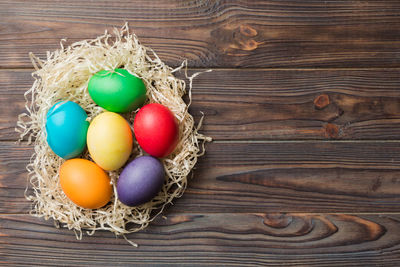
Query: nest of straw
[64,75]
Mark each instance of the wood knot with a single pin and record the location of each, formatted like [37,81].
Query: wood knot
[277,220]
[376,184]
[235,39]
[331,130]
[249,45]
[321,101]
[246,30]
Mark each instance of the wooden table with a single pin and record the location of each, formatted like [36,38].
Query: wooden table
[304,107]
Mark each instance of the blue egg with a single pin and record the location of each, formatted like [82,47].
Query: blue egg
[66,128]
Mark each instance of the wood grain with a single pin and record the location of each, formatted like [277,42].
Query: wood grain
[267,104]
[304,105]
[215,33]
[261,177]
[221,239]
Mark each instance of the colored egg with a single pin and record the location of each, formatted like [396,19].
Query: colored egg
[66,129]
[156,130]
[117,91]
[85,183]
[140,181]
[109,140]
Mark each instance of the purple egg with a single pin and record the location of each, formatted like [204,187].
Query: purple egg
[140,181]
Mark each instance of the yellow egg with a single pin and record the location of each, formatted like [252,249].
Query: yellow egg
[109,140]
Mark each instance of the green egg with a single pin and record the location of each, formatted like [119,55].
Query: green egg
[117,91]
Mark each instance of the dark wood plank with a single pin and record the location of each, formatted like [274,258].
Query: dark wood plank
[213,239]
[282,105]
[269,104]
[13,85]
[260,177]
[216,33]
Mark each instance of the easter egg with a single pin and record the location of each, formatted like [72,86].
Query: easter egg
[85,183]
[109,140]
[117,91]
[66,129]
[140,181]
[156,130]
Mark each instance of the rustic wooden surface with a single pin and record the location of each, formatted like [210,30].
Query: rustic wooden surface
[304,107]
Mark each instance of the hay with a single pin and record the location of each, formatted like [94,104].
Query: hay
[64,75]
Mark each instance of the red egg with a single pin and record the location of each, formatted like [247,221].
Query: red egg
[156,130]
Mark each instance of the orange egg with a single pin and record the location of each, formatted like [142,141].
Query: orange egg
[85,183]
